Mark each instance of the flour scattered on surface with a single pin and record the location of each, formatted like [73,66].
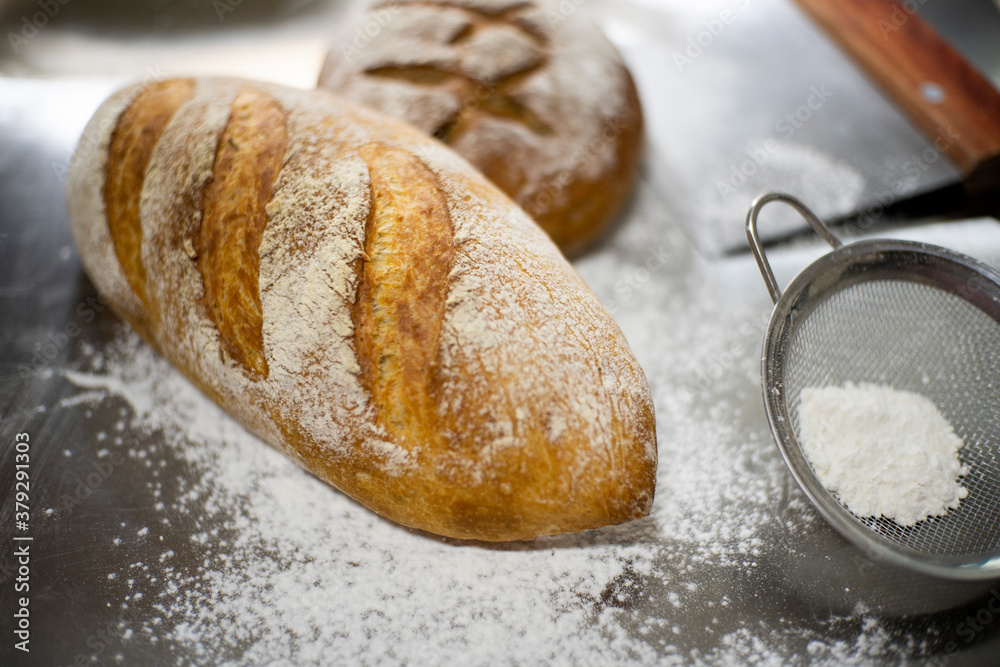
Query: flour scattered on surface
[247,559]
[884,451]
[254,561]
[279,566]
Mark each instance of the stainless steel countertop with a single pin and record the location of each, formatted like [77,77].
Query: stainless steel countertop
[808,591]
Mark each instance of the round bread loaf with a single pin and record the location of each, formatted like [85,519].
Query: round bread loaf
[530,93]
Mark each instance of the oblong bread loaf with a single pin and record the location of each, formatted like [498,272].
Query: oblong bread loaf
[362,298]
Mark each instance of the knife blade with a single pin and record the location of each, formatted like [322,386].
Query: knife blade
[753,96]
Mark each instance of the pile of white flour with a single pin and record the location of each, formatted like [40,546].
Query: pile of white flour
[884,451]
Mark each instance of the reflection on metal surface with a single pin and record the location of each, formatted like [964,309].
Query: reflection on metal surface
[267,40]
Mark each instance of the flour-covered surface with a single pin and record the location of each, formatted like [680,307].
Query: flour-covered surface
[167,533]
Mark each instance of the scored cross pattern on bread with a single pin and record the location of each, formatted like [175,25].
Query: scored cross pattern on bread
[534,98]
[494,54]
[360,297]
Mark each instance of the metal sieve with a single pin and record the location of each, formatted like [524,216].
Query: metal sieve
[905,315]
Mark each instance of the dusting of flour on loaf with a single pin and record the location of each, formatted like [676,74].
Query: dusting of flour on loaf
[884,451]
[513,301]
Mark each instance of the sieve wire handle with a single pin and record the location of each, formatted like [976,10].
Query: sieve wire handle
[754,238]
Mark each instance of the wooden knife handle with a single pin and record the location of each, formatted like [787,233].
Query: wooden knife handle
[952,102]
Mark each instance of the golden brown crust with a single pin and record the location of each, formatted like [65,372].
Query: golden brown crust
[544,108]
[428,350]
[579,213]
[400,306]
[136,135]
[247,161]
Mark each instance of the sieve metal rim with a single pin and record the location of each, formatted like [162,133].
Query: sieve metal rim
[844,266]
